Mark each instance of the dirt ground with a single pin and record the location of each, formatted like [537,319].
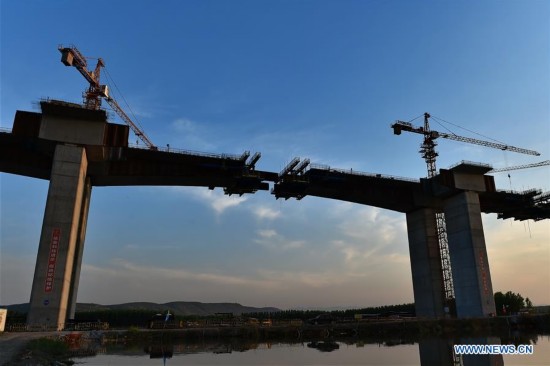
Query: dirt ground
[11,343]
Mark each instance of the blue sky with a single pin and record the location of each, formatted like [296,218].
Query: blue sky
[316,79]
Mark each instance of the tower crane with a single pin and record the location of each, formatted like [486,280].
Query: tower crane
[427,150]
[71,56]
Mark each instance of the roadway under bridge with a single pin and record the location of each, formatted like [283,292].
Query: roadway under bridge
[76,148]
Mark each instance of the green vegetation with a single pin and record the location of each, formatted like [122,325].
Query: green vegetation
[130,318]
[125,318]
[509,303]
[54,347]
[117,318]
[342,314]
[16,317]
[506,304]
[141,318]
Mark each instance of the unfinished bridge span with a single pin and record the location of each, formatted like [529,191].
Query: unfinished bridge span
[462,193]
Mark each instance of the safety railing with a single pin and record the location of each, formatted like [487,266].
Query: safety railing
[529,192]
[474,163]
[360,173]
[194,153]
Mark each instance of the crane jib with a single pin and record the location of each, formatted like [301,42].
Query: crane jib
[399,126]
[490,144]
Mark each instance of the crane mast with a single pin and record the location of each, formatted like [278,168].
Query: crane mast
[71,56]
[427,150]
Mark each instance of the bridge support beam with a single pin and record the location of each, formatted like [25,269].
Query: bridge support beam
[468,252]
[426,270]
[61,241]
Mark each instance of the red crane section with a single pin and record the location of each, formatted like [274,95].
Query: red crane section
[71,56]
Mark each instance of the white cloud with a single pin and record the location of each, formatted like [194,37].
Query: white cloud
[121,280]
[368,223]
[190,135]
[267,213]
[313,279]
[216,199]
[369,236]
[267,233]
[222,202]
[273,240]
[181,274]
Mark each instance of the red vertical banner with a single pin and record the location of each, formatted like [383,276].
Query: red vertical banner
[52,258]
[483,273]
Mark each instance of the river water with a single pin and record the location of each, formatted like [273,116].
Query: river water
[326,352]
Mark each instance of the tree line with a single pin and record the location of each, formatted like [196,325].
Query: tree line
[506,304]
[511,303]
[349,313]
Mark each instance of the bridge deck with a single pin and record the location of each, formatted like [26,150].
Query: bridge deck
[126,166]
[130,166]
[402,194]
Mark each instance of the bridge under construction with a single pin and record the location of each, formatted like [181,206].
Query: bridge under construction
[76,148]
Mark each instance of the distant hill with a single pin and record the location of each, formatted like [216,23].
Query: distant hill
[177,307]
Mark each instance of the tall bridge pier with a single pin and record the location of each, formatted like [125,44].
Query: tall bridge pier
[57,271]
[460,189]
[469,261]
[457,191]
[61,246]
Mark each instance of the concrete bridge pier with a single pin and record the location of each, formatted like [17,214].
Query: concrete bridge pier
[427,276]
[59,258]
[468,252]
[457,191]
